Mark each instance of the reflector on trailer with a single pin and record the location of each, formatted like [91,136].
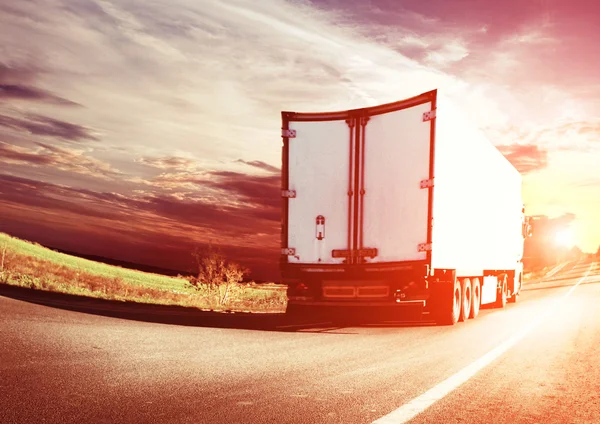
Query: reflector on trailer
[363,253]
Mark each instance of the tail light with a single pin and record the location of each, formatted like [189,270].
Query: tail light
[298,288]
[399,296]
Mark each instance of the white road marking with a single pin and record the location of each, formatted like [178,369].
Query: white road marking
[419,404]
[555,270]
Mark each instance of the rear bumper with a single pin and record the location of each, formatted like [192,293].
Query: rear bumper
[368,285]
[363,271]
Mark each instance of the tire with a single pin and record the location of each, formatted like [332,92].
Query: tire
[476,295]
[515,295]
[448,304]
[502,296]
[466,299]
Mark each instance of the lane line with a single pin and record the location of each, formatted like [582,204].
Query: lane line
[419,404]
[555,270]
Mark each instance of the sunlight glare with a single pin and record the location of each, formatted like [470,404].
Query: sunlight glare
[565,238]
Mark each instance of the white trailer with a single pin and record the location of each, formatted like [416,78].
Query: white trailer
[400,204]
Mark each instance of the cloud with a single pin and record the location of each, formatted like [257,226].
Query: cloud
[225,188]
[533,36]
[526,158]
[227,221]
[13,87]
[67,160]
[51,197]
[176,180]
[261,165]
[19,155]
[257,190]
[561,135]
[250,59]
[136,31]
[49,127]
[449,52]
[21,92]
[590,129]
[169,162]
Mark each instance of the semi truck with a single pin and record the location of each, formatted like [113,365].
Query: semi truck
[401,204]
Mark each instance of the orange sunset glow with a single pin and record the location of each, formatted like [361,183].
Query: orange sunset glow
[140,130]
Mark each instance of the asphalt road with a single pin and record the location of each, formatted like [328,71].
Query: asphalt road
[536,361]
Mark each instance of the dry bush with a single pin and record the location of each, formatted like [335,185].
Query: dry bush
[217,276]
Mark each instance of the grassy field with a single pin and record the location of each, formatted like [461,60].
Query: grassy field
[28,264]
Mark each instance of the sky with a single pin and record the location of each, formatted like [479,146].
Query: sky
[140,130]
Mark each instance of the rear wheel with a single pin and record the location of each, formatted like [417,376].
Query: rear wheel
[476,294]
[502,295]
[516,290]
[466,299]
[448,304]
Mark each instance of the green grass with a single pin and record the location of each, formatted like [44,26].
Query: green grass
[30,265]
[134,277]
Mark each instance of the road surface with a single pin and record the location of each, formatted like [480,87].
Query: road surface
[537,361]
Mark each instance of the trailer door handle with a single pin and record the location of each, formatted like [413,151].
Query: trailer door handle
[320,231]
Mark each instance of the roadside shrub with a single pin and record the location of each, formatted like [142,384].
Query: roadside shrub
[218,277]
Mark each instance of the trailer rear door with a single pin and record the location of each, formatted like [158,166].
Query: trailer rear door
[319,175]
[396,155]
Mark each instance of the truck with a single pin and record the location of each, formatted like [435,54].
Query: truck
[396,205]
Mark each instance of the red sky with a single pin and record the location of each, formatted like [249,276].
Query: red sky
[138,130]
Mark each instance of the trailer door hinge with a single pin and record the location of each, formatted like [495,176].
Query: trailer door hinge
[428,116]
[290,194]
[288,251]
[288,133]
[427,183]
[424,247]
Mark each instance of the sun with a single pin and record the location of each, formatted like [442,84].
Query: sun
[565,238]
